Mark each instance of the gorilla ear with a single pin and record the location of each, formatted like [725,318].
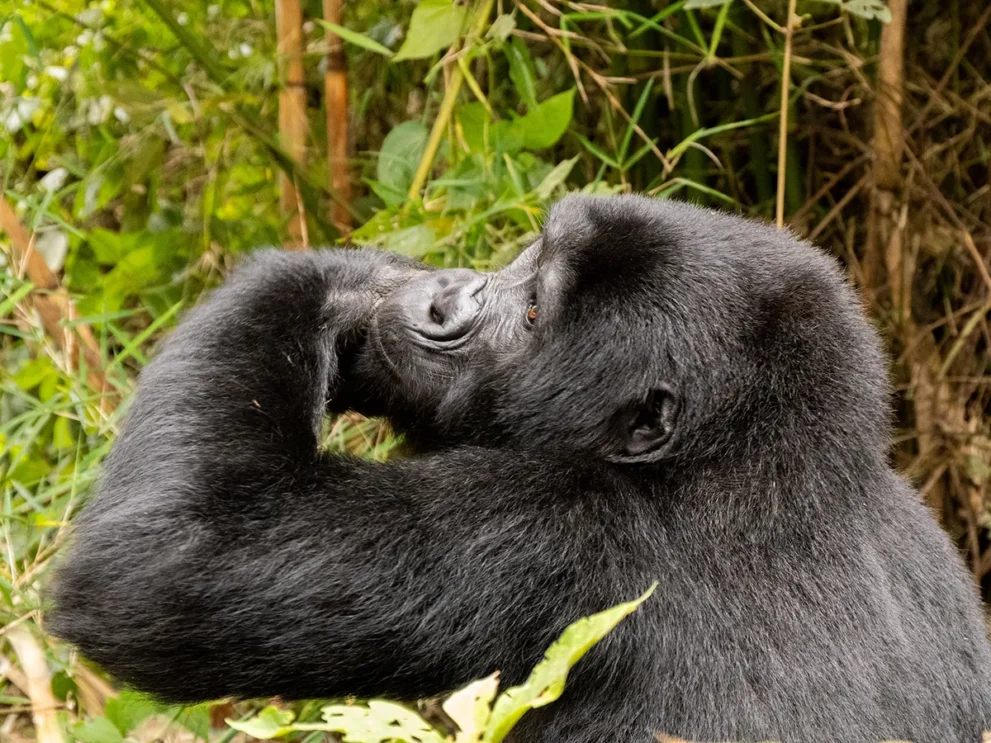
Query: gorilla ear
[643,431]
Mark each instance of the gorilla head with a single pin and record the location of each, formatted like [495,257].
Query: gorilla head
[636,331]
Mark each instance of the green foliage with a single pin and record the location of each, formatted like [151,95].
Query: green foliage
[472,708]
[125,714]
[435,25]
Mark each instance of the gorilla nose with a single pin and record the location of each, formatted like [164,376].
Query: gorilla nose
[448,303]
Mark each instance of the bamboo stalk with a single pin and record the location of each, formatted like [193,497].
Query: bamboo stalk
[292,111]
[335,84]
[38,680]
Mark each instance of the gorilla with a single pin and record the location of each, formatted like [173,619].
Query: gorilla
[650,392]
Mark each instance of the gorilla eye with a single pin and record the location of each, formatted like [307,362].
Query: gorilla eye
[531,313]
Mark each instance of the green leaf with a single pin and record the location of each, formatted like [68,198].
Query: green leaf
[869,9]
[401,153]
[470,708]
[435,25]
[474,120]
[129,709]
[271,722]
[501,27]
[414,241]
[97,730]
[353,37]
[694,4]
[545,124]
[521,71]
[555,178]
[379,722]
[546,682]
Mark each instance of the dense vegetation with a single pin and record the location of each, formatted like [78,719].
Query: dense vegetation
[141,152]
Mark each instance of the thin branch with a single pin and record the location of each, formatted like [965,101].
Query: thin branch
[783,125]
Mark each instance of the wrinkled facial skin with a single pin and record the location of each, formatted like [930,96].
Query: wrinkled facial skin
[631,329]
[443,339]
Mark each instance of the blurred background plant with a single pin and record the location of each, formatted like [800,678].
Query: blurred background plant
[146,144]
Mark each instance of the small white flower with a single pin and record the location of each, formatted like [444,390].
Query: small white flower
[246,50]
[13,122]
[212,11]
[121,115]
[99,110]
[27,106]
[59,73]
[182,19]
[53,180]
[85,38]
[53,245]
[91,16]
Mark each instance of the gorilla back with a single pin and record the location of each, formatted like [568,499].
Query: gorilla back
[651,391]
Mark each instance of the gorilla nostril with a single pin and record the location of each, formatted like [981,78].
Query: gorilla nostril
[435,314]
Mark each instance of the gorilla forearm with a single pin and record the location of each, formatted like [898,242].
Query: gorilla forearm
[226,556]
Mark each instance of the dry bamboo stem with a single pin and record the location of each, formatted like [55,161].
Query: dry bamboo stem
[292,110]
[39,684]
[335,85]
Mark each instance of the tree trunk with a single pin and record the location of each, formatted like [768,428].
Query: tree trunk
[336,100]
[292,112]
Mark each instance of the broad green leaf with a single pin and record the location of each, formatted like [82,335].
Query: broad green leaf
[271,722]
[501,27]
[379,722]
[401,152]
[435,25]
[127,710]
[546,682]
[473,120]
[415,241]
[507,137]
[97,730]
[547,122]
[353,37]
[555,178]
[470,708]
[521,71]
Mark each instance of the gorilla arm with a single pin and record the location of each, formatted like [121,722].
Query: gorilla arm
[226,556]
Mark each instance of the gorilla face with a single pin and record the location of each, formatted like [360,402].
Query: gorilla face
[632,330]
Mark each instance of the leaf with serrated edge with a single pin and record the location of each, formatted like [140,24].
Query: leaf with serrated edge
[547,679]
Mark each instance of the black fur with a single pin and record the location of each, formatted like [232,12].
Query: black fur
[700,402]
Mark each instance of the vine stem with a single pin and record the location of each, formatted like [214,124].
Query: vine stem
[446,107]
[783,126]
